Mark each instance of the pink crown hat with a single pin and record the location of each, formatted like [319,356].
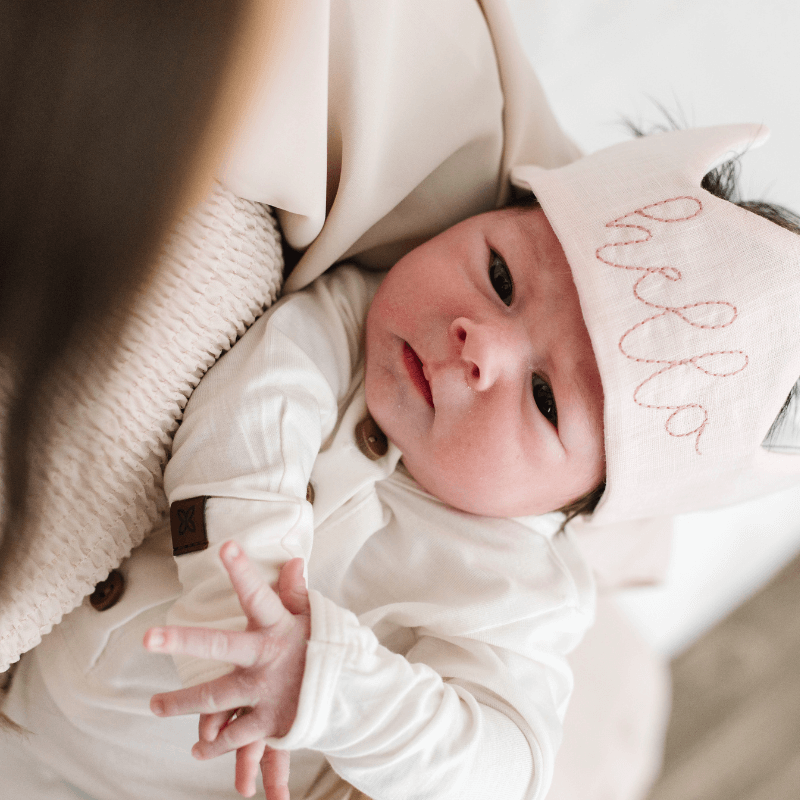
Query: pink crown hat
[693,308]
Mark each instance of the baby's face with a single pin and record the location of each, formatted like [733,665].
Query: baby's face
[480,369]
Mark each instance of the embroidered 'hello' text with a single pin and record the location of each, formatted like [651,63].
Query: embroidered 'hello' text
[687,419]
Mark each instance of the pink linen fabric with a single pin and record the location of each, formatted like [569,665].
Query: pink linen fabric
[693,308]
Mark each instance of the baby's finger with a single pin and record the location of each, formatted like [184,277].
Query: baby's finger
[261,605]
[211,724]
[275,773]
[232,647]
[292,587]
[223,694]
[243,731]
[247,761]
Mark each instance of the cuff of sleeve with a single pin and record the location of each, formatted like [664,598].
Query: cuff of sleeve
[325,658]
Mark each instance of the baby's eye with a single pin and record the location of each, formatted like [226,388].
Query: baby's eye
[500,278]
[544,399]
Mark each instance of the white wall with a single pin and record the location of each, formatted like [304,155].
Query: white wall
[718,60]
[718,560]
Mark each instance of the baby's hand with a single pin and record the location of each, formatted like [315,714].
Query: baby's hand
[259,698]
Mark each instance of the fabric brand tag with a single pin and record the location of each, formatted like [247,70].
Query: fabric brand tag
[187,520]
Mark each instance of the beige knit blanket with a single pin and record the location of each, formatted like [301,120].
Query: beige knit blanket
[99,484]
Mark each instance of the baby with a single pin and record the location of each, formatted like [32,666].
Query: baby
[633,335]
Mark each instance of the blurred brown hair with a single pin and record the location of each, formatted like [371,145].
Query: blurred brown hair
[103,105]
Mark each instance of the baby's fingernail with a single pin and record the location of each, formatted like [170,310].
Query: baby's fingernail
[156,638]
[157,707]
[233,550]
[196,751]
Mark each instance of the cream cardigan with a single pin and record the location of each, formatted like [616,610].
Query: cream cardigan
[101,489]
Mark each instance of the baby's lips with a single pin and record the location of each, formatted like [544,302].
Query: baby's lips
[416,372]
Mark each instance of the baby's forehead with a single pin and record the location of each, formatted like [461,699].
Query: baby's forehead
[527,219]
[518,212]
[539,248]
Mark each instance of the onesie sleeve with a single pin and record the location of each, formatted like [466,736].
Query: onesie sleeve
[248,441]
[395,728]
[453,684]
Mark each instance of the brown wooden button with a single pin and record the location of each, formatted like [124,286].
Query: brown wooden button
[371,440]
[108,592]
[310,493]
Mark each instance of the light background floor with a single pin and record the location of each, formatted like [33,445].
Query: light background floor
[735,726]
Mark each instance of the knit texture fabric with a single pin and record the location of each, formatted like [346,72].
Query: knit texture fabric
[97,463]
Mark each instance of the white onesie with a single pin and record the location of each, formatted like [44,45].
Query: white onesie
[436,662]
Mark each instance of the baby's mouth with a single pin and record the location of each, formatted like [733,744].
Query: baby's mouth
[415,371]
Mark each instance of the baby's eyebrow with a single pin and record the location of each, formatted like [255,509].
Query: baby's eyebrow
[521,214]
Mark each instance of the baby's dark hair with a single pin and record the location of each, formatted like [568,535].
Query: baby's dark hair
[722,182]
[584,505]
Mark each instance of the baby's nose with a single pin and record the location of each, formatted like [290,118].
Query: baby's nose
[487,351]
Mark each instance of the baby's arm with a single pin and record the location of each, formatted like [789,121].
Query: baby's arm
[269,659]
[248,442]
[395,728]
[232,448]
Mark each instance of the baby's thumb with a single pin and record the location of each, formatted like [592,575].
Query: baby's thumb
[292,588]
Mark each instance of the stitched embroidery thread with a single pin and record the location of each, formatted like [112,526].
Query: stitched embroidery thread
[687,419]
